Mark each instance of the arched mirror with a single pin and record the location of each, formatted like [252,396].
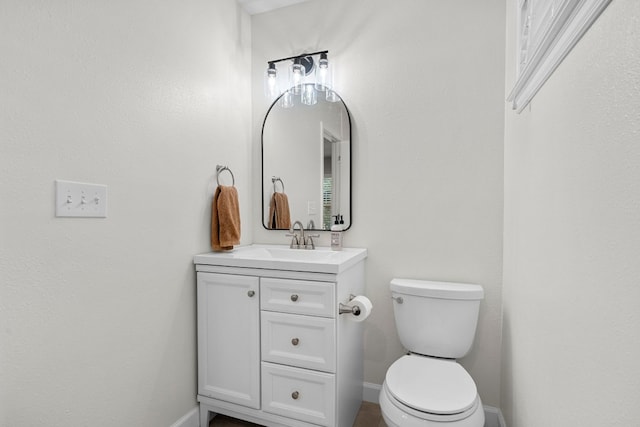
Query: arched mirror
[306,157]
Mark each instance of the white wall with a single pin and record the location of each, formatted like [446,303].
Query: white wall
[572,236]
[98,315]
[424,83]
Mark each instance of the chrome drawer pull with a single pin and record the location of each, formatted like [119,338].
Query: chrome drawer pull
[251,293]
[295,395]
[294,297]
[295,341]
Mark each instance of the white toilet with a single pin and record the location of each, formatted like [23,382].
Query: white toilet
[436,323]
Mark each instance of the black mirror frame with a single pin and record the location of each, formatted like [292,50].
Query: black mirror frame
[262,168]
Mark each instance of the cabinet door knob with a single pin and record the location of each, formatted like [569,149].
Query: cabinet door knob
[295,395]
[251,293]
[295,341]
[294,297]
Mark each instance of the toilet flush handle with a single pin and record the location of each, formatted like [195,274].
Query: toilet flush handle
[399,300]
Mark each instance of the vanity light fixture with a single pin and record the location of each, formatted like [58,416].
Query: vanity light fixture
[306,79]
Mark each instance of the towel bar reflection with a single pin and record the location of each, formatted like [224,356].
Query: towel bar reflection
[220,169]
[275,179]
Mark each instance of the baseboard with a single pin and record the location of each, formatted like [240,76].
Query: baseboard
[190,419]
[501,421]
[371,392]
[493,416]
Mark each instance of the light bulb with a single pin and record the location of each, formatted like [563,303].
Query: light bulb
[323,74]
[271,89]
[286,100]
[309,95]
[297,74]
[332,96]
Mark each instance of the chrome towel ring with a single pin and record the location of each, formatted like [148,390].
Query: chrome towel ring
[220,169]
[275,179]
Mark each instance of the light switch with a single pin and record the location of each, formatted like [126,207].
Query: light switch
[77,199]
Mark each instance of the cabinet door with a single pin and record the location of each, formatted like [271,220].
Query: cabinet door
[228,338]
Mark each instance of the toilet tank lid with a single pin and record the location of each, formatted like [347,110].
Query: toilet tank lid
[443,290]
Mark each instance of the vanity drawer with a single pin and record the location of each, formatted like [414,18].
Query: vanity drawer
[303,341]
[298,393]
[298,296]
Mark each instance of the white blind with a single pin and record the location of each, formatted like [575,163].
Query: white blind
[535,20]
[546,32]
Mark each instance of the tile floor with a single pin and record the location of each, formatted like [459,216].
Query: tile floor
[369,416]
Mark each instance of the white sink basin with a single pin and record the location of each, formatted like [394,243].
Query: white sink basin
[281,257]
[284,253]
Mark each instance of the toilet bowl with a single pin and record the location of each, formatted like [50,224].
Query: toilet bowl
[422,391]
[436,323]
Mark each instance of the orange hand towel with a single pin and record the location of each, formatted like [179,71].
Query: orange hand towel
[279,215]
[225,219]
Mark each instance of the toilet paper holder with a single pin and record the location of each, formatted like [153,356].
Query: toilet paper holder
[347,309]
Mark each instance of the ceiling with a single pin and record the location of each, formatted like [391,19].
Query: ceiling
[254,7]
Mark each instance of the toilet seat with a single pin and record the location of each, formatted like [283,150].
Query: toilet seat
[437,387]
[396,414]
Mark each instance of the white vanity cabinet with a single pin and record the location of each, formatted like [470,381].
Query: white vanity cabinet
[272,346]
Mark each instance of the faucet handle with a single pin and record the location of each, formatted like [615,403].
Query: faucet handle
[295,243]
[308,241]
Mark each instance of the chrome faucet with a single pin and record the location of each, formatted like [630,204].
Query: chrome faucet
[295,240]
[301,241]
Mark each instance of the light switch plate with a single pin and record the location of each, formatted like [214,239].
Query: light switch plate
[77,199]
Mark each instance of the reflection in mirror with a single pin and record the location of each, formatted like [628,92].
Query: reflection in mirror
[306,149]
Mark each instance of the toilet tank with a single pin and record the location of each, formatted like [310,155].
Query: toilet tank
[436,318]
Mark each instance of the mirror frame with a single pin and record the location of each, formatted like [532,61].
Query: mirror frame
[262,168]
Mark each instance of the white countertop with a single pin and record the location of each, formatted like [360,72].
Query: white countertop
[281,257]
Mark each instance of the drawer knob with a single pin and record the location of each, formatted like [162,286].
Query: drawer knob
[294,297]
[251,293]
[295,341]
[295,395]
